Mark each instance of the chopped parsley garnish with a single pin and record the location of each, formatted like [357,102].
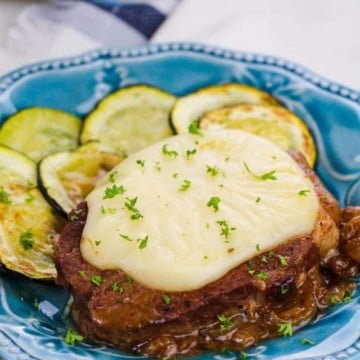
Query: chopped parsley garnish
[126,237]
[141,163]
[143,242]
[262,275]
[72,337]
[285,329]
[97,242]
[73,217]
[214,203]
[258,199]
[112,177]
[225,322]
[82,273]
[225,228]
[347,296]
[27,239]
[157,166]
[185,185]
[212,170]
[130,204]
[166,299]
[167,152]
[96,279]
[117,287]
[243,355]
[206,257]
[305,341]
[257,247]
[194,128]
[107,211]
[227,158]
[190,153]
[251,271]
[29,198]
[4,197]
[283,260]
[334,300]
[264,259]
[175,175]
[284,289]
[266,176]
[128,278]
[111,192]
[303,192]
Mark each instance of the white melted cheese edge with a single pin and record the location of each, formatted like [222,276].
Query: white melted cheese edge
[185,249]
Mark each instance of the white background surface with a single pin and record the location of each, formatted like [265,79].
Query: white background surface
[323,35]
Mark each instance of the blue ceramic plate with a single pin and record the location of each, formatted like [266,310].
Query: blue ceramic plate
[331,111]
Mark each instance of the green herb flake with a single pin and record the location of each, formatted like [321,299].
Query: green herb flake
[185,185]
[334,300]
[29,198]
[264,259]
[303,192]
[227,158]
[257,247]
[82,273]
[97,242]
[285,329]
[225,322]
[141,163]
[225,228]
[27,239]
[111,192]
[116,287]
[166,299]
[112,177]
[130,204]
[4,197]
[266,176]
[126,237]
[107,211]
[96,279]
[72,337]
[347,296]
[284,289]
[167,152]
[214,203]
[251,272]
[194,128]
[305,341]
[212,170]
[175,175]
[190,153]
[128,278]
[243,355]
[283,260]
[258,199]
[262,275]
[143,242]
[206,257]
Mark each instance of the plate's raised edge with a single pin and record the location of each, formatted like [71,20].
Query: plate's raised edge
[332,87]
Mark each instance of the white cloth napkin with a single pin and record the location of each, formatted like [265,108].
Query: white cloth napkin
[323,35]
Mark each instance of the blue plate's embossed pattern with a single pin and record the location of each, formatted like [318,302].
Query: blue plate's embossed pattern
[332,112]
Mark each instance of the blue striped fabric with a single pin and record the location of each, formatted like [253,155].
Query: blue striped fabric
[144,16]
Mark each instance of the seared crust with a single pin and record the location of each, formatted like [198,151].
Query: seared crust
[112,316]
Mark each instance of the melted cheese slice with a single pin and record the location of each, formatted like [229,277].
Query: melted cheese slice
[190,244]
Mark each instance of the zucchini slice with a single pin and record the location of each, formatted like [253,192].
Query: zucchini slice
[277,124]
[130,119]
[66,178]
[37,132]
[28,226]
[191,107]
